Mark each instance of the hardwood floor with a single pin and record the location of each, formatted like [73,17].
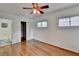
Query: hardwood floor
[34,48]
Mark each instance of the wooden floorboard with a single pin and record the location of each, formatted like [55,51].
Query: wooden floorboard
[34,48]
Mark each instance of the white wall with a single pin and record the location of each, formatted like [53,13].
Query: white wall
[16,28]
[67,38]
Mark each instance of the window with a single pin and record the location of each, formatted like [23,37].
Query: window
[75,21]
[69,21]
[42,24]
[64,22]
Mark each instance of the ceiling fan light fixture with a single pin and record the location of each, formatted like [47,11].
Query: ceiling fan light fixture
[38,12]
[35,11]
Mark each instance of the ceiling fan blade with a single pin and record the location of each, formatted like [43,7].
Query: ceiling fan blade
[26,8]
[40,11]
[44,7]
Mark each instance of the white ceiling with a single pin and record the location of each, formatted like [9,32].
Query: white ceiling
[16,8]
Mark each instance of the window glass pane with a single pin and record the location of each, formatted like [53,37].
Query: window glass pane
[64,22]
[75,21]
[44,24]
[39,24]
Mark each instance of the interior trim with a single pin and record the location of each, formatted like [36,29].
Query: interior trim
[56,46]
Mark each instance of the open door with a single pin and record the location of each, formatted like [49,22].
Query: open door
[23,31]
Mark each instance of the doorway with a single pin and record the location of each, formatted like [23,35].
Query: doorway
[23,31]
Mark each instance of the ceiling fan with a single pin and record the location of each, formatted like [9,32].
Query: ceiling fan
[36,9]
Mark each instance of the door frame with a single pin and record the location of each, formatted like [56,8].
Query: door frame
[26,30]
